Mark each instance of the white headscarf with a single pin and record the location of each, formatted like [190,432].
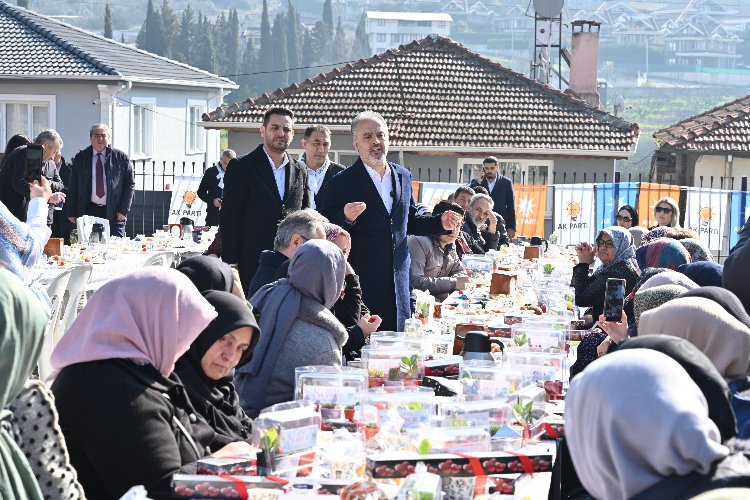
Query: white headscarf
[635,417]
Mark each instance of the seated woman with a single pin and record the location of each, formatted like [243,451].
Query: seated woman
[209,273]
[703,273]
[627,217]
[666,213]
[662,252]
[298,327]
[638,427]
[126,417]
[617,256]
[207,368]
[435,266]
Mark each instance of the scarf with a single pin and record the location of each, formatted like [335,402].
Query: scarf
[16,241]
[663,252]
[150,315]
[703,273]
[618,451]
[736,274]
[216,400]
[708,326]
[624,249]
[22,323]
[316,270]
[668,277]
[651,298]
[697,250]
[725,299]
[207,273]
[220,176]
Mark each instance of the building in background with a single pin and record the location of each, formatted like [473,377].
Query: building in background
[388,30]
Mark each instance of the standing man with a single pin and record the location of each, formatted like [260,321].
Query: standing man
[211,189]
[14,188]
[260,189]
[101,182]
[320,169]
[372,200]
[501,191]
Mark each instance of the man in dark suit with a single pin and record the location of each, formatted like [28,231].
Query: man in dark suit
[211,188]
[260,189]
[320,169]
[101,182]
[501,191]
[372,200]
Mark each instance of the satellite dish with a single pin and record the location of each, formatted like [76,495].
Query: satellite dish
[548,32]
[619,105]
[548,9]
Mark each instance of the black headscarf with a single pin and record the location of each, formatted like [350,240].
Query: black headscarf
[207,273]
[701,370]
[704,273]
[217,400]
[725,299]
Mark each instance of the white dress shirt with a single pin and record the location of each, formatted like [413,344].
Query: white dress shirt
[491,185]
[383,185]
[94,197]
[315,179]
[279,173]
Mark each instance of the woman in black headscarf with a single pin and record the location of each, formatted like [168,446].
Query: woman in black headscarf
[209,273]
[207,368]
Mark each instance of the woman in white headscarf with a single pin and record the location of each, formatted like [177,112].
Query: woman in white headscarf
[638,428]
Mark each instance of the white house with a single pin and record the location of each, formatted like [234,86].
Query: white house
[54,75]
[388,30]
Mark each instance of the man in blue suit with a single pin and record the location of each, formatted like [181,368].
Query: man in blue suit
[372,200]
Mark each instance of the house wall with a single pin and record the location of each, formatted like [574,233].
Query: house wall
[718,166]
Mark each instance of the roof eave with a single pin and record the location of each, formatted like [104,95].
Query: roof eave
[518,151]
[257,125]
[183,83]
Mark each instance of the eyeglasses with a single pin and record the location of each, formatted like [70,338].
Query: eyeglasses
[620,218]
[666,210]
[608,244]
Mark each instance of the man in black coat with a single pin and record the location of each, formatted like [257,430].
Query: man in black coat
[372,200]
[260,189]
[101,183]
[211,189]
[501,191]
[483,229]
[320,169]
[14,188]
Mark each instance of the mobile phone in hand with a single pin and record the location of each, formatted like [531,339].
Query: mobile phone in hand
[614,299]
[33,169]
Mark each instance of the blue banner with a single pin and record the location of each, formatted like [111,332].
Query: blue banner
[609,198]
[738,215]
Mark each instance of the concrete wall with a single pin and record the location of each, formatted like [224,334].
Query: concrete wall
[719,166]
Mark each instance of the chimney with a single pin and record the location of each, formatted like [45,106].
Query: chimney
[585,61]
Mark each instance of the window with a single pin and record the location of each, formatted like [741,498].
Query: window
[142,128]
[194,141]
[395,38]
[381,22]
[403,23]
[424,24]
[441,24]
[381,37]
[25,114]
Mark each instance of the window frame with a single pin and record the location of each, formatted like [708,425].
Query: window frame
[30,100]
[145,104]
[193,128]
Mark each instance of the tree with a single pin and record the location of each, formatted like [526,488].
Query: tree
[361,48]
[340,50]
[265,57]
[294,55]
[151,36]
[328,19]
[171,27]
[183,49]
[281,66]
[204,56]
[122,37]
[219,32]
[232,45]
[23,3]
[247,79]
[107,22]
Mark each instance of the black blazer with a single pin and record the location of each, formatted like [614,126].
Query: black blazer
[208,191]
[120,183]
[14,190]
[252,208]
[333,169]
[504,197]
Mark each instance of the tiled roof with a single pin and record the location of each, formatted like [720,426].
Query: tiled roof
[723,129]
[32,45]
[437,93]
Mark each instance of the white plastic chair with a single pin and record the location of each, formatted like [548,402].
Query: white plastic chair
[84,225]
[76,289]
[52,332]
[165,258]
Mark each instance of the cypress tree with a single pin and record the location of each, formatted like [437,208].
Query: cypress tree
[107,22]
[153,40]
[361,48]
[281,66]
[183,49]
[219,34]
[171,29]
[340,52]
[292,41]
[265,57]
[232,45]
[328,19]
[122,37]
[23,3]
[205,51]
[247,79]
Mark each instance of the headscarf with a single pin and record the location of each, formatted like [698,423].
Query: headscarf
[703,273]
[646,300]
[216,400]
[617,452]
[664,252]
[316,270]
[718,334]
[713,386]
[16,241]
[655,234]
[22,322]
[697,250]
[668,277]
[151,315]
[725,299]
[637,233]
[207,273]
[736,274]
[624,249]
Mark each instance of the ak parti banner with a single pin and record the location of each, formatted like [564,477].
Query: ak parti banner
[648,194]
[574,213]
[531,203]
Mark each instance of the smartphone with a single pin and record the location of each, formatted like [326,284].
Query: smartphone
[33,170]
[614,299]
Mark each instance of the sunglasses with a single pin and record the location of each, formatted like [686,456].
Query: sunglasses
[606,244]
[624,219]
[666,210]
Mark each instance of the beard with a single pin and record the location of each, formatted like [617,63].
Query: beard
[276,147]
[376,158]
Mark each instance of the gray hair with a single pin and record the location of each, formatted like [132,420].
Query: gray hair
[229,153]
[303,222]
[481,196]
[367,115]
[48,136]
[102,126]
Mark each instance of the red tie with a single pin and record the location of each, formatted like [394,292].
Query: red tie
[99,176]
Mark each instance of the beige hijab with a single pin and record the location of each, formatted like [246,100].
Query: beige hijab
[708,326]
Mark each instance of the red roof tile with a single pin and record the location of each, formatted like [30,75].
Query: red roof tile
[436,92]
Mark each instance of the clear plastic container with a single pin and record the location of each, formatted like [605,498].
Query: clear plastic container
[428,440]
[336,390]
[537,366]
[487,381]
[393,366]
[395,409]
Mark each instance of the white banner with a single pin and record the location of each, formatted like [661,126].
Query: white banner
[433,192]
[574,213]
[707,213]
[185,201]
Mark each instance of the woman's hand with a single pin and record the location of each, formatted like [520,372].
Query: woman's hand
[616,330]
[369,324]
[236,449]
[586,253]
